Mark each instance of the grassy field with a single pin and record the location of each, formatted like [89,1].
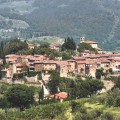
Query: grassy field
[115,111]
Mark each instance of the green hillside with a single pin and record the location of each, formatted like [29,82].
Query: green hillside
[96,19]
[84,110]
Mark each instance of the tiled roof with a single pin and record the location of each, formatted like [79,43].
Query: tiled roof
[90,62]
[81,62]
[60,63]
[71,60]
[12,59]
[90,42]
[79,58]
[61,95]
[12,55]
[50,61]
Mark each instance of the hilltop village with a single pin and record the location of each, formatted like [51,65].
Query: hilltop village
[59,80]
[85,63]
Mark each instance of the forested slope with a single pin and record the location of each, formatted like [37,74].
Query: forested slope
[96,19]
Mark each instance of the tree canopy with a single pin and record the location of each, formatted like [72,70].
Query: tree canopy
[14,46]
[88,87]
[20,96]
[79,88]
[117,82]
[99,73]
[85,46]
[54,82]
[44,45]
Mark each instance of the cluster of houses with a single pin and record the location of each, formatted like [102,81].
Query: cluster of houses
[83,65]
[86,65]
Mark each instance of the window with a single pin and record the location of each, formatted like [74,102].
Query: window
[107,65]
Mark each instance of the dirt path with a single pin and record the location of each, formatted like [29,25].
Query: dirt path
[108,86]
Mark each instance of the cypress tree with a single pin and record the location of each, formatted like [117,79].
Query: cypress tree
[69,44]
[41,94]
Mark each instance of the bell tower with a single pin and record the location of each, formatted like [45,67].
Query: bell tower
[82,39]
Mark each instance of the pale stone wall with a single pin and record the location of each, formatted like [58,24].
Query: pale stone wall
[49,66]
[94,45]
[63,71]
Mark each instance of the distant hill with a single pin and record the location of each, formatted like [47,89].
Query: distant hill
[12,23]
[47,39]
[98,20]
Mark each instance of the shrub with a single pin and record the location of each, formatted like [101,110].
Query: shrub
[107,116]
[2,117]
[77,116]
[32,73]
[93,99]
[109,101]
[49,101]
[117,102]
[101,99]
[82,110]
[98,112]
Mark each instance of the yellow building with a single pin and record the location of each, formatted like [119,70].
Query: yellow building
[90,42]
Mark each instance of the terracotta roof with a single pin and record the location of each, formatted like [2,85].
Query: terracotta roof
[81,62]
[92,56]
[50,61]
[61,95]
[97,56]
[79,58]
[12,59]
[104,55]
[90,42]
[38,62]
[60,63]
[115,55]
[11,55]
[28,56]
[90,62]
[71,60]
[36,57]
[114,59]
[103,60]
